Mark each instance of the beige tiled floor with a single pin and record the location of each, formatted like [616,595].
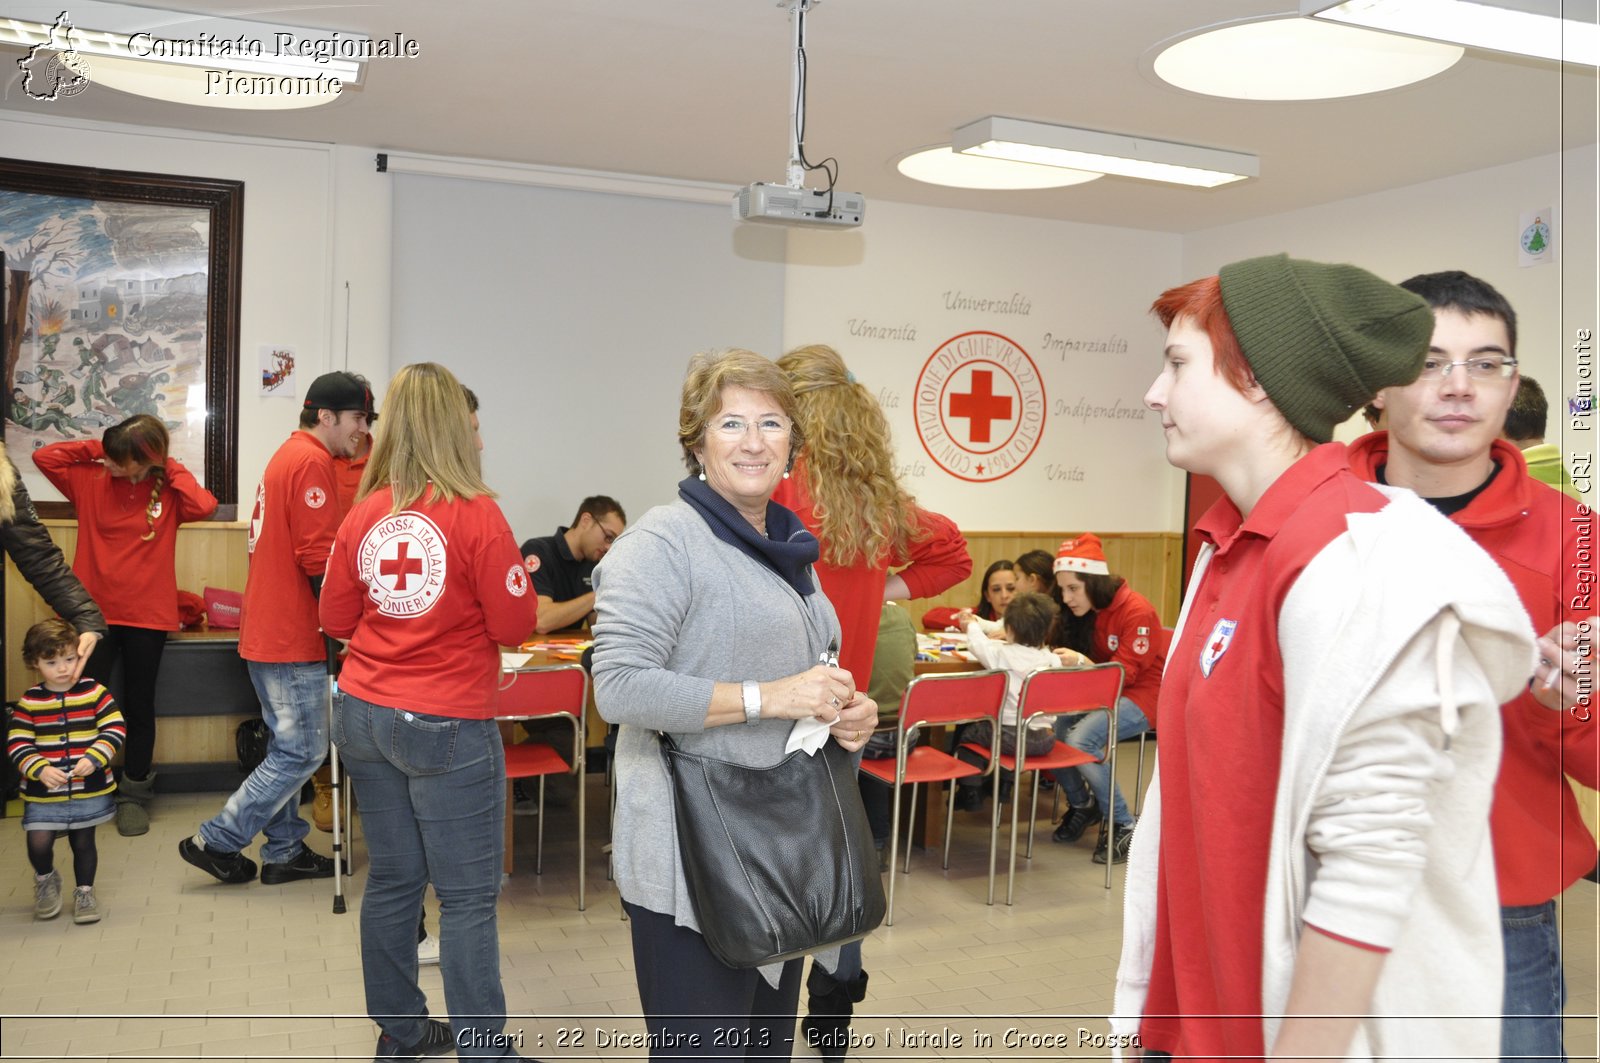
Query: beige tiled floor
[183,967]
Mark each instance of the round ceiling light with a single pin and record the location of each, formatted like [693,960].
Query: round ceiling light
[1299,59]
[942,166]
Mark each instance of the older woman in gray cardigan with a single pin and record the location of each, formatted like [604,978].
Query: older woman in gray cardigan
[710,625]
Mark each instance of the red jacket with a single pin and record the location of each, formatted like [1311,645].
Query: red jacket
[291,531]
[1129,632]
[1539,537]
[938,561]
[427,597]
[132,579]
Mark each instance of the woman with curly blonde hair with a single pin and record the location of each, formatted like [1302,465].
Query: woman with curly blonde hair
[844,488]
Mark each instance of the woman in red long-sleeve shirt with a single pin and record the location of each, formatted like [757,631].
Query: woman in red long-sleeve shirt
[131,495]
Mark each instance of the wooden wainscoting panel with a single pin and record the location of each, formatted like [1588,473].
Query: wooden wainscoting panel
[1151,562]
[211,553]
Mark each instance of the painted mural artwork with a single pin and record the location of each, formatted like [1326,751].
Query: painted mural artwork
[105,318]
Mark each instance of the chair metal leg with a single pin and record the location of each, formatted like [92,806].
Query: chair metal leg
[910,832]
[538,857]
[894,850]
[1033,816]
[611,831]
[581,882]
[994,832]
[1111,813]
[1011,870]
[949,824]
[1138,780]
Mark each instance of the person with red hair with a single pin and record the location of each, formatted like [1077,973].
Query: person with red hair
[1330,725]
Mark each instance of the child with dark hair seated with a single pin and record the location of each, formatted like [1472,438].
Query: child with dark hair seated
[1024,649]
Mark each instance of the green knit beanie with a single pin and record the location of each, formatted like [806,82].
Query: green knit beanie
[1323,339]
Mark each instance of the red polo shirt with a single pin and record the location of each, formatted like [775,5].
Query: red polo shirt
[1221,708]
[291,532]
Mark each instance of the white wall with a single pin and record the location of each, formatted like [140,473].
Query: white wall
[315,217]
[316,275]
[1469,222]
[1073,298]
[573,315]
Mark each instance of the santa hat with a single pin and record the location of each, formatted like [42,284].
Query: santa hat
[1083,554]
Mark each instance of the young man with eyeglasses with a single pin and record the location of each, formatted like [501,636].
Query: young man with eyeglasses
[1443,442]
[560,565]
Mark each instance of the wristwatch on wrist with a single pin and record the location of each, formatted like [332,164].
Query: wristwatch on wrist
[752,701]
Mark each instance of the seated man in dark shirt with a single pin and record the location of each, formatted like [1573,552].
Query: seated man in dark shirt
[559,565]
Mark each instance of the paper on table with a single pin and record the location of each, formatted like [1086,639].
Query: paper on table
[510,662]
[808,734]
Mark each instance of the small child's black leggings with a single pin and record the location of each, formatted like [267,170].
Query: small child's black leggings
[85,858]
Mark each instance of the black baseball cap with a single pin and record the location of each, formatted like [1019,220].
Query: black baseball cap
[340,391]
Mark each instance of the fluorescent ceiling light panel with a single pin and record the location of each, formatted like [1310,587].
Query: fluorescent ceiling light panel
[1109,153]
[944,166]
[1558,30]
[1293,58]
[175,56]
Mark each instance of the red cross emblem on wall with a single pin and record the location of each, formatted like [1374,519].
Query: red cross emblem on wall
[981,406]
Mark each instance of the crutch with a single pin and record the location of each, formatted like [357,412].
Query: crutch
[339,868]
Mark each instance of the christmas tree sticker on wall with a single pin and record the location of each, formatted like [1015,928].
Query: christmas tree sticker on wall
[1536,238]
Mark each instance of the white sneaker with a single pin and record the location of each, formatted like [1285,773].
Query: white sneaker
[428,951]
[85,909]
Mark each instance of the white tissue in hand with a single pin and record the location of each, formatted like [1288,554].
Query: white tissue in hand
[808,734]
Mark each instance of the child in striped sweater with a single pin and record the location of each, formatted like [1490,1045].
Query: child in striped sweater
[62,739]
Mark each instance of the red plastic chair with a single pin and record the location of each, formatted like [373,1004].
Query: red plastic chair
[558,692]
[1052,692]
[935,701]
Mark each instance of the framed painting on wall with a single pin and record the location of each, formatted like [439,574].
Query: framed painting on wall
[121,297]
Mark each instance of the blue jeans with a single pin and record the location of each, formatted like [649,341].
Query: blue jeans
[1535,988]
[433,803]
[1088,733]
[294,704]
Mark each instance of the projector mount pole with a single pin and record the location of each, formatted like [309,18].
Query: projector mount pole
[797,88]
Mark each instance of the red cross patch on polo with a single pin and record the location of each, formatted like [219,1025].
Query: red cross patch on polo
[316,497]
[517,581]
[1216,645]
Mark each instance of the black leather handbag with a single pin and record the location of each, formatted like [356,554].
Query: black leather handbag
[779,860]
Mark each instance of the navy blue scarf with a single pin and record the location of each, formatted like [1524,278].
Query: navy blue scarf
[787,548]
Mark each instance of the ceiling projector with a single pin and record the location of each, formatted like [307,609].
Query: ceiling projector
[783,205]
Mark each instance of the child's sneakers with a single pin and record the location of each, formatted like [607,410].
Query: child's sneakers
[85,909]
[47,895]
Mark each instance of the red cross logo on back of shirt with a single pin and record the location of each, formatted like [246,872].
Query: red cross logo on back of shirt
[401,565]
[404,562]
[981,406]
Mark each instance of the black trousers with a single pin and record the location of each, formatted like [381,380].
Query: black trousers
[696,1007]
[139,650]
